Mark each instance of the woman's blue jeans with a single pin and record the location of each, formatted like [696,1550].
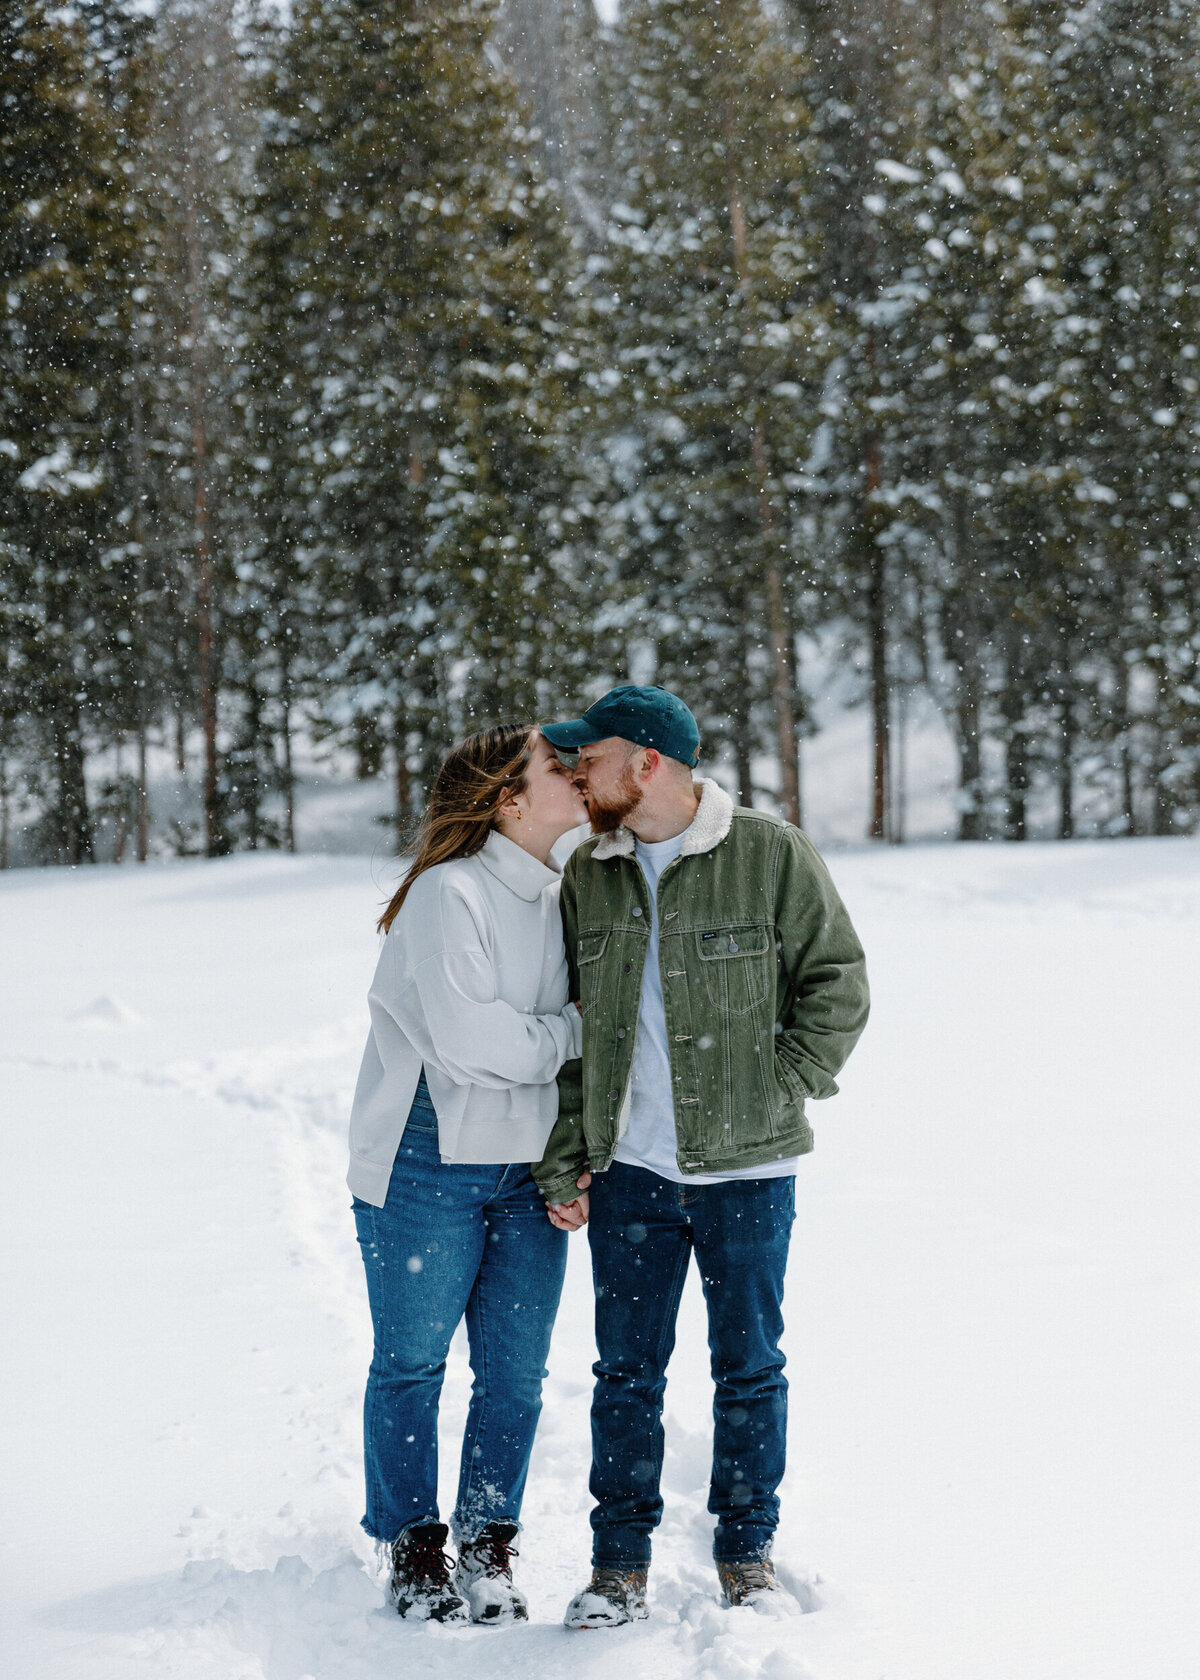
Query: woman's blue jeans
[454,1240]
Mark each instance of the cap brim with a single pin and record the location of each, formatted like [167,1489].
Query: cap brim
[572,735]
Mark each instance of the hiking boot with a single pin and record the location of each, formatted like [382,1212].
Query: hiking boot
[746,1579]
[420,1586]
[484,1576]
[611,1597]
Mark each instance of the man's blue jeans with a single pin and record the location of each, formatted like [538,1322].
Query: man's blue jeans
[643,1230]
[452,1241]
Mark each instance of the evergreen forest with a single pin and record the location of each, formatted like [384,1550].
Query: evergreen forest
[372,370]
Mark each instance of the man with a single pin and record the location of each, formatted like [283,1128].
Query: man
[721,985]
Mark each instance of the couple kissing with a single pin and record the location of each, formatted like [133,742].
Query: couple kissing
[626,1044]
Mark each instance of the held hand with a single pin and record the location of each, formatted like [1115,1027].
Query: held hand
[571,1216]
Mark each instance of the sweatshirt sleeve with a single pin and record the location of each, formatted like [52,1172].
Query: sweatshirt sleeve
[447,1000]
[481,1040]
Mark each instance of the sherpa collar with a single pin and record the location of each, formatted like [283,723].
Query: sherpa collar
[707,829]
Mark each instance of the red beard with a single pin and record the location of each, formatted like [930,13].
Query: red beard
[607,815]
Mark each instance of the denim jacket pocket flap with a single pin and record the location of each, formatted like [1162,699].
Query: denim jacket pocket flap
[725,943]
[591,947]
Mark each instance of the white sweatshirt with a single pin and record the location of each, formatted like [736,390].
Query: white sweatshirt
[472,985]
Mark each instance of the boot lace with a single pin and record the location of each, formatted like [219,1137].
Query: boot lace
[618,1585]
[494,1552]
[741,1580]
[419,1557]
[755,1576]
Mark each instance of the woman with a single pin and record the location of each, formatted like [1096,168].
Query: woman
[470,1023]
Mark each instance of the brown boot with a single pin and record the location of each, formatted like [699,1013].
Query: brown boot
[611,1597]
[746,1579]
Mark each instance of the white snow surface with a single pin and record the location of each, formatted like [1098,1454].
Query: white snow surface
[992,1307]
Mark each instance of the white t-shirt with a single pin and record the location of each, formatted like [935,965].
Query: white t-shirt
[649,1138]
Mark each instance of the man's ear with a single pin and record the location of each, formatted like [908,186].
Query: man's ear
[650,764]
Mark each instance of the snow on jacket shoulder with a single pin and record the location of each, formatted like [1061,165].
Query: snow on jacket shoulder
[471,984]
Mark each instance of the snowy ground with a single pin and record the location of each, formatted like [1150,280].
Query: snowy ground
[993,1301]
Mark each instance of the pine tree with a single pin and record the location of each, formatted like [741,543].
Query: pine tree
[65,255]
[858,58]
[1045,294]
[1134,117]
[194,161]
[719,343]
[410,329]
[119,39]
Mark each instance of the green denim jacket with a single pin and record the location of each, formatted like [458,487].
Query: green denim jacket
[763,982]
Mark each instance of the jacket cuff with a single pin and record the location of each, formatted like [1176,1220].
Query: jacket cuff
[564,1187]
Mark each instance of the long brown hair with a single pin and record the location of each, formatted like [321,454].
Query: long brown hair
[475,779]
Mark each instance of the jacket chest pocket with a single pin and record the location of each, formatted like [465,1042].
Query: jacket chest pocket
[587,959]
[736,964]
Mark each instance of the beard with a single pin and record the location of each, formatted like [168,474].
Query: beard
[607,815]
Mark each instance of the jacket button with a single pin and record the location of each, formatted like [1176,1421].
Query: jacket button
[613,1095]
[620,1032]
[637,910]
[628,968]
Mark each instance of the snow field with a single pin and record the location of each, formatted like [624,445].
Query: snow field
[992,1308]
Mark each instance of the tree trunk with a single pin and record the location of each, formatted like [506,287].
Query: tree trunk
[1125,723]
[249,786]
[1162,814]
[740,706]
[970,826]
[215,842]
[121,814]
[1016,776]
[1066,774]
[1016,740]
[76,840]
[143,789]
[898,781]
[963,637]
[137,441]
[877,637]
[403,818]
[4,812]
[880,721]
[289,774]
[783,676]
[781,687]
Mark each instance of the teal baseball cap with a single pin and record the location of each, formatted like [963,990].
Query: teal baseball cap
[650,717]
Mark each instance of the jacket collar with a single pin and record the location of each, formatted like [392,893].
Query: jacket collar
[511,864]
[708,827]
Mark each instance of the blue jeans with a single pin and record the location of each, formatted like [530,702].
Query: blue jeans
[643,1230]
[454,1240]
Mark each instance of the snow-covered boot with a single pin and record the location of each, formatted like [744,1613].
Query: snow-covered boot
[420,1585]
[611,1598]
[746,1579]
[484,1576]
